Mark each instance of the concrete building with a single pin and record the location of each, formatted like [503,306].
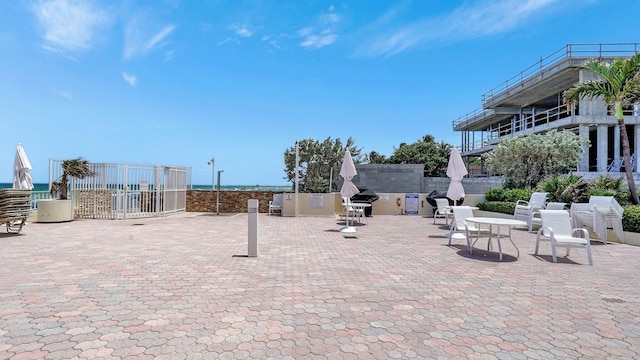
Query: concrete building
[531,102]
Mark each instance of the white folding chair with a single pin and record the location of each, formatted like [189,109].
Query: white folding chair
[443,210]
[460,228]
[524,209]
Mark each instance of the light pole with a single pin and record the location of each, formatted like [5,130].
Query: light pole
[212,163]
[218,195]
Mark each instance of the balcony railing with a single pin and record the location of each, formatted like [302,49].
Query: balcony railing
[594,51]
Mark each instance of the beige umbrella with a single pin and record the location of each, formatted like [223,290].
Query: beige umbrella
[456,171]
[22,166]
[348,172]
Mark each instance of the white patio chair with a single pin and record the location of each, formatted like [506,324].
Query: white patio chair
[524,209]
[351,212]
[443,210]
[275,205]
[461,229]
[600,213]
[556,228]
[535,216]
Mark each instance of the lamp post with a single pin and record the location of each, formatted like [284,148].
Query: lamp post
[212,163]
[218,195]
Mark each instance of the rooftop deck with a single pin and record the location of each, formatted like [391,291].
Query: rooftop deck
[179,287]
[551,74]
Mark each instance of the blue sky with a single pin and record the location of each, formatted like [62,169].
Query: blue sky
[174,82]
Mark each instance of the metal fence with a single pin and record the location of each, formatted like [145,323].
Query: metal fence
[124,191]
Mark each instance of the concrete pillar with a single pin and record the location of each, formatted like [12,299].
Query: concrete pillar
[602,145]
[636,146]
[617,153]
[583,165]
[591,106]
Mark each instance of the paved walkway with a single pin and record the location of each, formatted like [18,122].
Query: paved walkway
[179,288]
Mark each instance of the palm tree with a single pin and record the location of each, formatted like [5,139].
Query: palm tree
[77,168]
[618,86]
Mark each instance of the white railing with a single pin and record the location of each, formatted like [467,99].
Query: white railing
[123,191]
[37,196]
[524,125]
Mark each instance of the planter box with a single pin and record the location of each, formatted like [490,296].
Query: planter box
[50,211]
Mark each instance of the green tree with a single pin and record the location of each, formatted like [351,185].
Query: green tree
[619,85]
[317,162]
[433,155]
[526,160]
[77,168]
[375,158]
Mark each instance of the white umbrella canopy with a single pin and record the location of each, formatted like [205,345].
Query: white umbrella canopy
[22,166]
[456,171]
[348,172]
[348,189]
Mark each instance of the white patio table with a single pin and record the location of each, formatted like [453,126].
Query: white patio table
[497,223]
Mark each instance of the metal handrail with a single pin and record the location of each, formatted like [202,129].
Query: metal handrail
[569,51]
[601,51]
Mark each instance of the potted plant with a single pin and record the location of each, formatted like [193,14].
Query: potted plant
[59,208]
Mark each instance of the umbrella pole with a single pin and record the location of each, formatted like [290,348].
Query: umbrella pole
[347,228]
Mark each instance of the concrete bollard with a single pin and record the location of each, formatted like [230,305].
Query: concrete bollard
[252,206]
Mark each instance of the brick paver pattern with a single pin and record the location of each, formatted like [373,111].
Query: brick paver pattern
[181,287]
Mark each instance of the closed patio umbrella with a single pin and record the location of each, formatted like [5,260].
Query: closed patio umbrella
[456,171]
[348,171]
[22,166]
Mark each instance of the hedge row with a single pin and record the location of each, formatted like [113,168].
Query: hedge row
[630,218]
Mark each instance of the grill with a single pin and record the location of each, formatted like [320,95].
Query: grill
[435,194]
[365,196]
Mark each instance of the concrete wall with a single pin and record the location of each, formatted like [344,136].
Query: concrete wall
[408,178]
[397,178]
[471,185]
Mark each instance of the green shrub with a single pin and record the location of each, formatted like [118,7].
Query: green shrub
[508,195]
[566,188]
[504,207]
[631,218]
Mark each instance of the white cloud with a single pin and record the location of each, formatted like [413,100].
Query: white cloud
[243,30]
[322,34]
[140,43]
[68,26]
[130,79]
[470,20]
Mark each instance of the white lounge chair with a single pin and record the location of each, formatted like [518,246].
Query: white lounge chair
[524,209]
[601,213]
[556,228]
[443,210]
[535,216]
[275,205]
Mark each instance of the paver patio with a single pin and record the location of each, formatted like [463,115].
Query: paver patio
[179,288]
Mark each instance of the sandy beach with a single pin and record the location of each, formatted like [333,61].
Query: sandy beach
[181,287]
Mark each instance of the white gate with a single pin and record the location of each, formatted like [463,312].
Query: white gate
[124,191]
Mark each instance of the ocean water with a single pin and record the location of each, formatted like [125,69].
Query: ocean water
[274,188]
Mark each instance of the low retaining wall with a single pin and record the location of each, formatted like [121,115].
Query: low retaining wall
[230,201]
